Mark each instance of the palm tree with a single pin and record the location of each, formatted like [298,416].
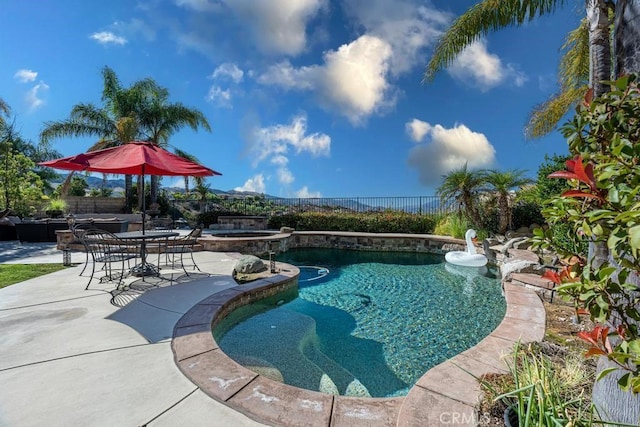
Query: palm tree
[115,123]
[5,110]
[502,183]
[160,119]
[202,190]
[586,59]
[462,186]
[192,158]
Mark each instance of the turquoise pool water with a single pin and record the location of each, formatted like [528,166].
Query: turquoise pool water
[364,323]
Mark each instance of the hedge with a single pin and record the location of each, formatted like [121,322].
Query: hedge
[379,222]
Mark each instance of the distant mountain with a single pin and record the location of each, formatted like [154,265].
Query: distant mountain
[93,181]
[97,182]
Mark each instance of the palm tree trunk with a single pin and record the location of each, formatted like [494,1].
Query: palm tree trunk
[140,193]
[186,185]
[627,37]
[153,189]
[128,193]
[599,45]
[503,209]
[471,211]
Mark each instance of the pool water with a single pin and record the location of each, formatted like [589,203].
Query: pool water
[364,323]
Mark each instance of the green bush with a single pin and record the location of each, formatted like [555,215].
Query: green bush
[526,213]
[379,222]
[453,225]
[490,220]
[78,186]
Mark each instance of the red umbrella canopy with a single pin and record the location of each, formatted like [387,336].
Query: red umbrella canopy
[132,158]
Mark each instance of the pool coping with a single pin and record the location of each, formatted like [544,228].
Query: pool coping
[446,394]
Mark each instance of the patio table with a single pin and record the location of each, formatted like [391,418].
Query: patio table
[141,238]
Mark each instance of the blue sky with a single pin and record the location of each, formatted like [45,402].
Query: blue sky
[306,98]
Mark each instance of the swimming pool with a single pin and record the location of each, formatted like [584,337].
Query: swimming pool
[363,323]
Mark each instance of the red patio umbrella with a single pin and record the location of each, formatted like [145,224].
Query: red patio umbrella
[132,158]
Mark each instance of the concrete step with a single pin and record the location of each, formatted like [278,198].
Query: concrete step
[530,279]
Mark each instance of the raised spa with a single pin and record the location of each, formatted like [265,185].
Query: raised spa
[363,323]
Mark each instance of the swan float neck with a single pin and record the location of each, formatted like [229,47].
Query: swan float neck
[469,236]
[468,258]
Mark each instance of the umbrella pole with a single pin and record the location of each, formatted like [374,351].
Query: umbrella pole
[144,209]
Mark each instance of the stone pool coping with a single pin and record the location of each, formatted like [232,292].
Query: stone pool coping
[444,395]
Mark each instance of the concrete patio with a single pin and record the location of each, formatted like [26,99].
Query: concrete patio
[70,357]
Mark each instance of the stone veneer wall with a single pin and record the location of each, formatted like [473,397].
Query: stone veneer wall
[376,242]
[78,204]
[243,222]
[260,246]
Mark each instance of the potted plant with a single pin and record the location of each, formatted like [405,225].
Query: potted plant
[56,208]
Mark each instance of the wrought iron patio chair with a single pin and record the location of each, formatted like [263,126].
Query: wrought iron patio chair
[181,246]
[112,252]
[78,229]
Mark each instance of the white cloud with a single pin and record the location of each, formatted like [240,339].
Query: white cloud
[33,98]
[409,26]
[107,37]
[25,76]
[228,71]
[255,184]
[449,149]
[278,26]
[286,76]
[305,193]
[275,141]
[475,65]
[285,176]
[279,160]
[352,80]
[219,96]
[132,28]
[417,129]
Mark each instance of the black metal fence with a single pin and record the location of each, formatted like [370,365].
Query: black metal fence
[268,206]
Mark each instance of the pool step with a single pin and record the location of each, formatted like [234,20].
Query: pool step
[289,352]
[544,287]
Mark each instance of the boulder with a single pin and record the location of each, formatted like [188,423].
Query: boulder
[249,264]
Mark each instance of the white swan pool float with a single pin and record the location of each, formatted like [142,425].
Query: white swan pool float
[468,258]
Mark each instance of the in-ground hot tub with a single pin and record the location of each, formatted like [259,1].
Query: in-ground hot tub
[254,242]
[240,233]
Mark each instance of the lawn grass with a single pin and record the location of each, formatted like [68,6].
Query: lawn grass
[14,273]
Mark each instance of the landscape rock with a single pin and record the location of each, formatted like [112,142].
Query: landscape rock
[518,266]
[249,264]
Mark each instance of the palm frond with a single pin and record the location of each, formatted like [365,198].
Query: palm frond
[481,19]
[68,128]
[574,64]
[111,87]
[185,155]
[4,107]
[545,117]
